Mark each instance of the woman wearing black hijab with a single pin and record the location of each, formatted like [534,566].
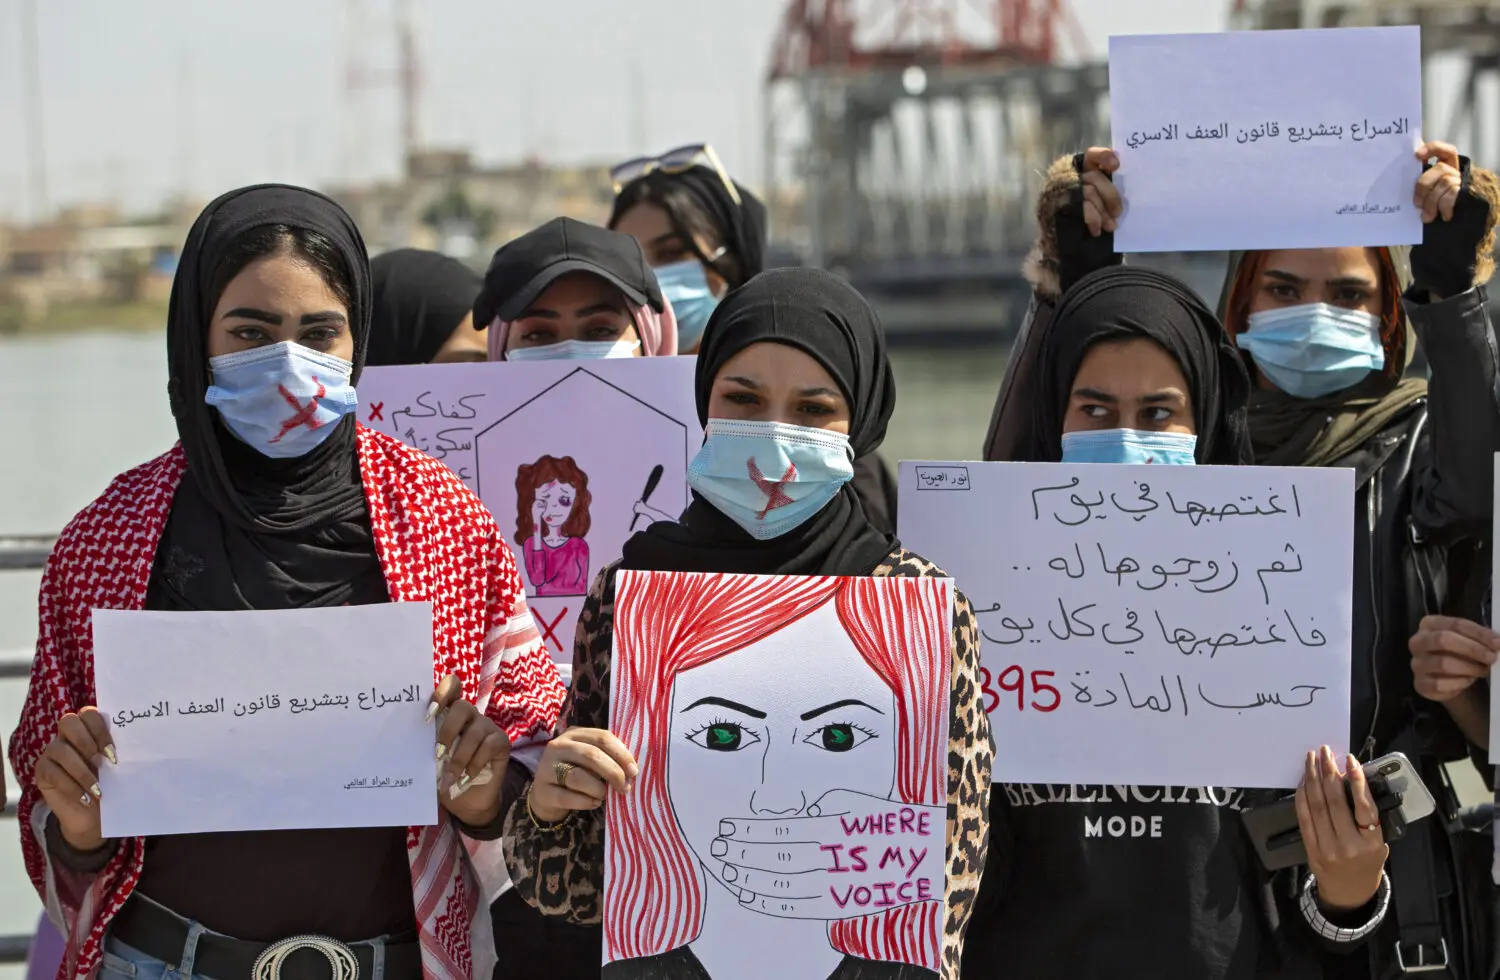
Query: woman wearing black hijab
[1088,881]
[795,357]
[276,498]
[705,234]
[423,310]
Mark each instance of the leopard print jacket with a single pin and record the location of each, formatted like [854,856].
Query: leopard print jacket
[560,872]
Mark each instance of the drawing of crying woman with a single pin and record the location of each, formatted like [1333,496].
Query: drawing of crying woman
[792,368]
[552,517]
[1135,368]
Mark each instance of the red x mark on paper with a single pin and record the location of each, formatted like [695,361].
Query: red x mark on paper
[549,638]
[304,415]
[773,489]
[376,408]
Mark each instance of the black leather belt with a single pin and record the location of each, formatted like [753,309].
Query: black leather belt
[159,932]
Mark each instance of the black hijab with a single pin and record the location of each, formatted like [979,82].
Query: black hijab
[825,318]
[1122,302]
[420,298]
[247,531]
[742,226]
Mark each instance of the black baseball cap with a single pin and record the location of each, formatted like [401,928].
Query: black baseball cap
[523,269]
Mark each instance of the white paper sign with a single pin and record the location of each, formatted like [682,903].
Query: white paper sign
[276,720]
[1267,139]
[1495,624]
[596,449]
[1183,625]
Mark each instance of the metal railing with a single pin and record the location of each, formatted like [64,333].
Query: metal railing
[26,552]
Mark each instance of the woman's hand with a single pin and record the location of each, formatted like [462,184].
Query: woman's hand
[1440,184]
[577,771]
[857,854]
[1101,200]
[469,744]
[1346,850]
[1449,654]
[67,775]
[538,508]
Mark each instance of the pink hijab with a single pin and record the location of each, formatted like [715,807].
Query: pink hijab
[658,332]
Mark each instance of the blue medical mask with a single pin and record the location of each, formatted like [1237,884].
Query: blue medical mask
[1129,446]
[282,400]
[685,285]
[769,477]
[575,350]
[1313,350]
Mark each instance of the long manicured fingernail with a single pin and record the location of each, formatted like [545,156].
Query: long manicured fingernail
[432,710]
[462,786]
[109,753]
[86,800]
[442,750]
[95,790]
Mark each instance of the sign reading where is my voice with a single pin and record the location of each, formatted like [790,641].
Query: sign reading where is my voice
[571,457]
[1267,139]
[792,734]
[1146,624]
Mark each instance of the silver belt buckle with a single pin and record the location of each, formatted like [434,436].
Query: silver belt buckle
[1422,965]
[341,959]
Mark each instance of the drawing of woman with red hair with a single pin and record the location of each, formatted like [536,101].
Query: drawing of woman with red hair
[552,517]
[766,710]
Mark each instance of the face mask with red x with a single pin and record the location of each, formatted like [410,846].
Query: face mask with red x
[283,399]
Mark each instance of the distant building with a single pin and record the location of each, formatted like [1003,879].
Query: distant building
[449,203]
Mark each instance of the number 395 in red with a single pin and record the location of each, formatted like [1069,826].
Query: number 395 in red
[1012,680]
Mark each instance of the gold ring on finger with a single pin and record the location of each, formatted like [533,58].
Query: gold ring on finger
[1369,827]
[560,772]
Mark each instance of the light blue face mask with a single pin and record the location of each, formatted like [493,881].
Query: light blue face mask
[1313,350]
[769,477]
[1129,446]
[575,350]
[685,285]
[283,399]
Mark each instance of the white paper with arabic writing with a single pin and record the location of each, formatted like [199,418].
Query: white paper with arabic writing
[1267,139]
[1195,620]
[1495,625]
[274,720]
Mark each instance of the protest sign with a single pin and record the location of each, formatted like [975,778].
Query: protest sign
[1222,147]
[792,735]
[571,458]
[1184,625]
[266,720]
[1495,625]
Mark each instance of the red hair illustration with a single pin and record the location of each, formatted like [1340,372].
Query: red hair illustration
[669,623]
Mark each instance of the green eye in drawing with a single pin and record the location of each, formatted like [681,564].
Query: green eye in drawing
[723,736]
[839,738]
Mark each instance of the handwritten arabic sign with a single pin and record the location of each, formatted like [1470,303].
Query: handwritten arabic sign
[1151,625]
[294,719]
[571,458]
[1220,147]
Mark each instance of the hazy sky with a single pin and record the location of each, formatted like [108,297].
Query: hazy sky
[145,96]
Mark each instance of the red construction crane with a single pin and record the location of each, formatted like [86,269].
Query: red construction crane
[874,35]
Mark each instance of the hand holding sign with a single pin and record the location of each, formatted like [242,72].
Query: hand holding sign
[67,776]
[852,855]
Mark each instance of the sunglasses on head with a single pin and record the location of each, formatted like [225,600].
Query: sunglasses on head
[677,161]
